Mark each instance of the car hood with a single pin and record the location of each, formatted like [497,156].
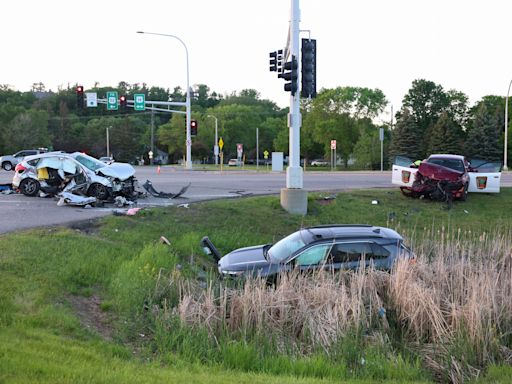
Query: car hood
[438,172]
[121,171]
[244,259]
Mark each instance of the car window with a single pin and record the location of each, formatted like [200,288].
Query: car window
[286,246]
[486,166]
[402,161]
[90,162]
[313,255]
[347,252]
[454,164]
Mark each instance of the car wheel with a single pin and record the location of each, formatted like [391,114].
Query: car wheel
[7,166]
[464,195]
[29,187]
[99,191]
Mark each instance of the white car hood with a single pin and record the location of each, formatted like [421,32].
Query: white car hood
[121,171]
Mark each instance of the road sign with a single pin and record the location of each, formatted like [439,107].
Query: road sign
[92,99]
[381,134]
[333,144]
[112,101]
[150,154]
[265,154]
[139,102]
[221,143]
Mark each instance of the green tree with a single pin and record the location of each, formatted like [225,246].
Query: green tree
[406,137]
[483,137]
[447,136]
[425,102]
[28,130]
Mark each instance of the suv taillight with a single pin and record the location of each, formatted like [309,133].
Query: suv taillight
[19,168]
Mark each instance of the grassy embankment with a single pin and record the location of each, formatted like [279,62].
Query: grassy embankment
[102,303]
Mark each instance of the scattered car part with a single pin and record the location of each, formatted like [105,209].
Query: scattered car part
[148,186]
[76,200]
[209,249]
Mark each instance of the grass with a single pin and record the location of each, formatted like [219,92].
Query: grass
[121,261]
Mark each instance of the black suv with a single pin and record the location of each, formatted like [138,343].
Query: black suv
[328,247]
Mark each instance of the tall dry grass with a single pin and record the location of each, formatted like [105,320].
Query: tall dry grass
[453,306]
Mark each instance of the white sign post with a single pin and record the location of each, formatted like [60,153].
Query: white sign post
[333,152]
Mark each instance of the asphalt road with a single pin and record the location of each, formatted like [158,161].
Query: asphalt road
[20,212]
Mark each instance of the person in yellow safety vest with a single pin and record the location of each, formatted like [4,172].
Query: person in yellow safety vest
[416,164]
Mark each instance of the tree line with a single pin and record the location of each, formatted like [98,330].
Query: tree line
[430,120]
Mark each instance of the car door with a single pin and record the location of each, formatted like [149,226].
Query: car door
[313,258]
[485,176]
[402,174]
[350,254]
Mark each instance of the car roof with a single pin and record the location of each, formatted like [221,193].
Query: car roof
[45,154]
[446,156]
[347,231]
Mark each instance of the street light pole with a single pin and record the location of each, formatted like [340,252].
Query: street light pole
[108,144]
[216,145]
[505,167]
[188,159]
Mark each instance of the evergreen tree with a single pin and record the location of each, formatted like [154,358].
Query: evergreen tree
[447,136]
[406,137]
[483,138]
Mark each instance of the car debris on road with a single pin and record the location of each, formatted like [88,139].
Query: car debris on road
[148,186]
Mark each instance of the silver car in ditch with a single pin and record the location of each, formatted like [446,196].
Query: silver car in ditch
[52,173]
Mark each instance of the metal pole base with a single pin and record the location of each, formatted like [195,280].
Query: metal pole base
[295,200]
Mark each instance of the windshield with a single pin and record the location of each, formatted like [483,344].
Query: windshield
[456,165]
[90,162]
[285,247]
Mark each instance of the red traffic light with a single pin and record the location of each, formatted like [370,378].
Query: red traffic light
[193,127]
[122,100]
[80,89]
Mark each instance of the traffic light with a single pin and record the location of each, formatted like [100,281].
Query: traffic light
[290,74]
[193,127]
[308,67]
[276,61]
[273,61]
[122,102]
[80,96]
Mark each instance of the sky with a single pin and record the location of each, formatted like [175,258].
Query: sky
[384,44]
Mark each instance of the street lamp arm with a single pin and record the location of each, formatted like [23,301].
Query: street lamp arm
[188,163]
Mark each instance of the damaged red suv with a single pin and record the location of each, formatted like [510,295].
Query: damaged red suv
[445,177]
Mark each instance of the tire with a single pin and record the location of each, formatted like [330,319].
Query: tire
[29,187]
[7,166]
[98,191]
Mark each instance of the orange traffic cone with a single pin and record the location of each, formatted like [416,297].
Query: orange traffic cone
[158,169]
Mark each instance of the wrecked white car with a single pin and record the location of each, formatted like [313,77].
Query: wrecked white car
[53,173]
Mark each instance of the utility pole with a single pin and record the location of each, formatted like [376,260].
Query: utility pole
[257,149]
[152,135]
[108,144]
[294,198]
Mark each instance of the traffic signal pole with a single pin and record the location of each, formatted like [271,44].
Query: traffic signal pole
[294,197]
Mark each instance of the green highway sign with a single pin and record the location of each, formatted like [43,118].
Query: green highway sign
[139,102]
[112,101]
